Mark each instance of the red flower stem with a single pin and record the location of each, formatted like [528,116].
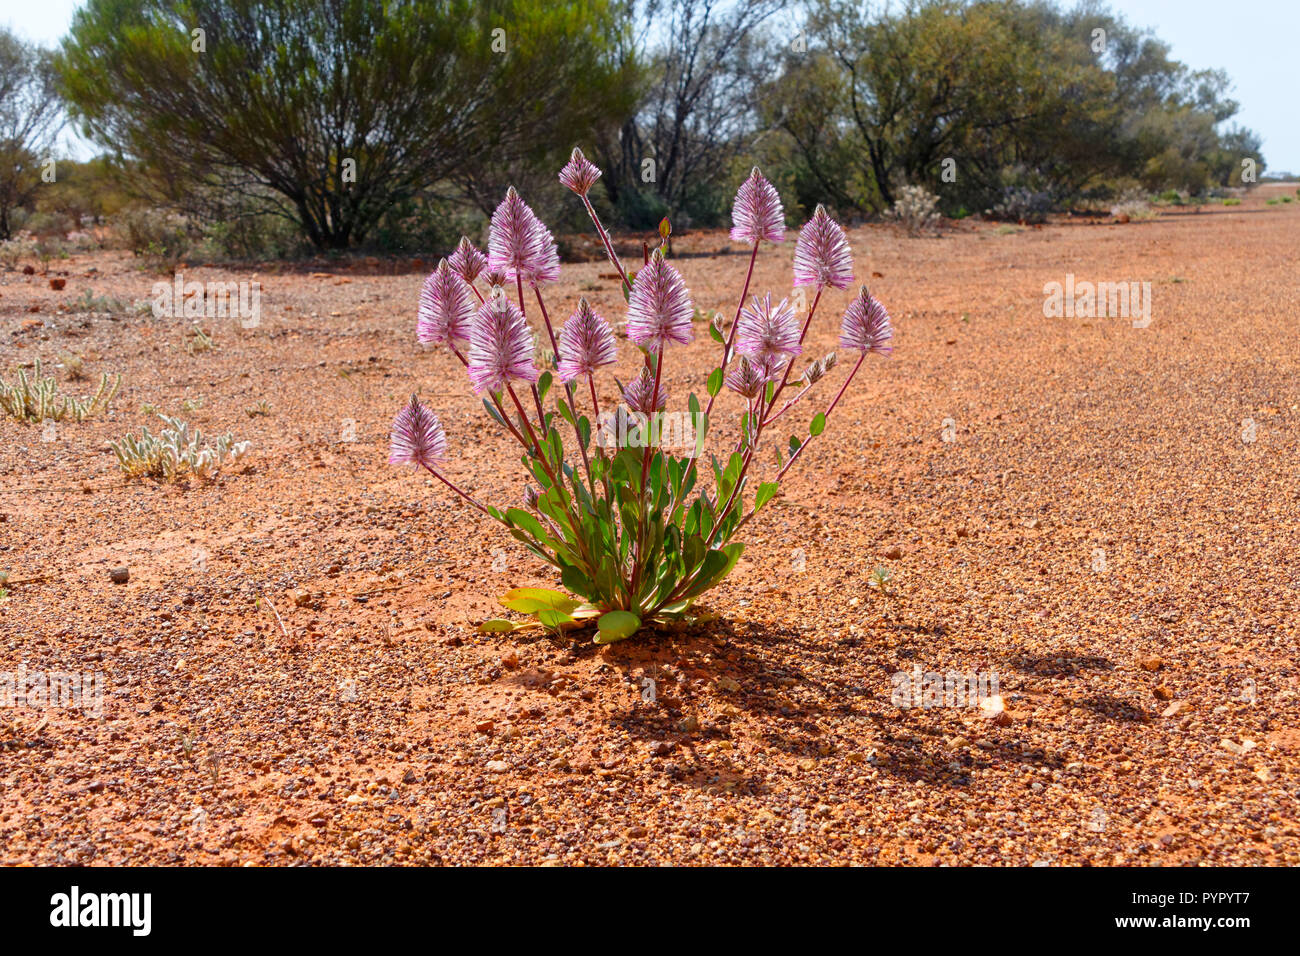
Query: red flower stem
[830,408]
[568,389]
[735,322]
[645,473]
[595,404]
[463,494]
[495,401]
[609,246]
[537,396]
[802,335]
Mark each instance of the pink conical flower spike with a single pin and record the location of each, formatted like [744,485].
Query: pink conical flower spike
[519,245]
[446,309]
[501,347]
[579,173]
[639,391]
[866,326]
[467,261]
[659,309]
[822,256]
[757,212]
[586,343]
[766,333]
[747,378]
[417,437]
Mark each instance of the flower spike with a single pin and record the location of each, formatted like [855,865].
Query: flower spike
[639,391]
[586,343]
[519,245]
[417,437]
[757,212]
[766,333]
[500,347]
[659,309]
[866,326]
[445,310]
[748,379]
[822,256]
[467,261]
[579,173]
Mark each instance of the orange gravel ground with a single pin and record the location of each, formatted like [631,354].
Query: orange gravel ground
[1111,531]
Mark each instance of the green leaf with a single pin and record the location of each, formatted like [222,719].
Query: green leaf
[715,333]
[794,444]
[715,382]
[523,520]
[532,600]
[717,565]
[554,618]
[498,625]
[765,492]
[818,424]
[565,411]
[494,414]
[544,385]
[616,626]
[576,581]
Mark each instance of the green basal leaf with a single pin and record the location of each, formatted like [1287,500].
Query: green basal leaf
[616,626]
[533,600]
[553,618]
[498,625]
[577,582]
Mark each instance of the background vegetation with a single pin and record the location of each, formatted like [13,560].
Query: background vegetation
[235,128]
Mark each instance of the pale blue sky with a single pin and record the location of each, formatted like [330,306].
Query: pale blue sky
[1254,40]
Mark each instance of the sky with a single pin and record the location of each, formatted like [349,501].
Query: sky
[1253,40]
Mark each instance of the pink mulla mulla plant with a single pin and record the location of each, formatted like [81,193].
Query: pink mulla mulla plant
[768,333]
[641,389]
[519,245]
[586,343]
[446,309]
[500,347]
[579,173]
[822,256]
[866,325]
[757,213]
[417,437]
[636,528]
[659,309]
[467,261]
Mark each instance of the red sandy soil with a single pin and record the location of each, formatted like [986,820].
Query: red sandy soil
[1150,708]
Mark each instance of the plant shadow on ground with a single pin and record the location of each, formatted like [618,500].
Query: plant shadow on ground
[787,683]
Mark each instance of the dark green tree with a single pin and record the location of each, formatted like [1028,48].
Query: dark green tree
[330,112]
[30,120]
